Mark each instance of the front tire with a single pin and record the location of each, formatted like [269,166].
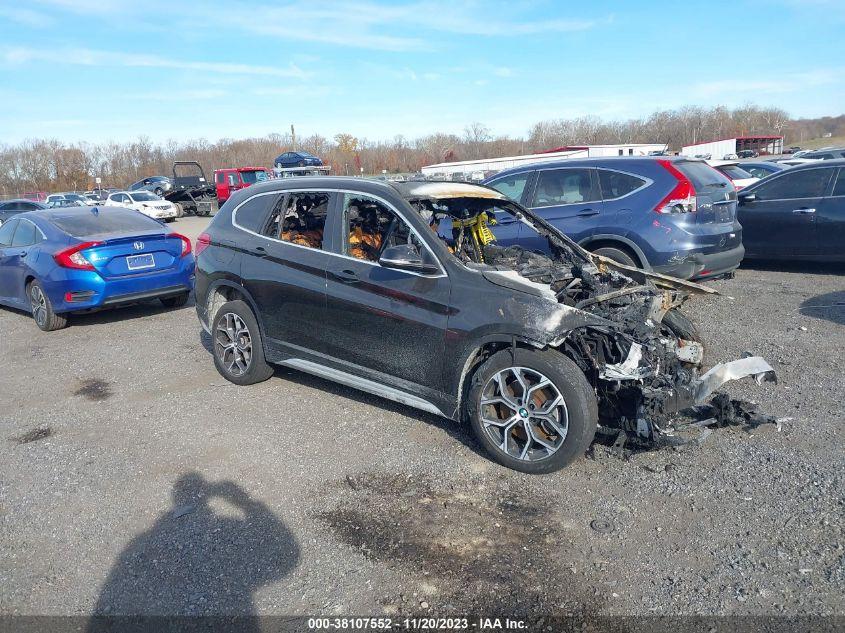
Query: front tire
[237,346]
[535,412]
[42,309]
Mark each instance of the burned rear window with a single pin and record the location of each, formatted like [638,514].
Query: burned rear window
[700,174]
[89,223]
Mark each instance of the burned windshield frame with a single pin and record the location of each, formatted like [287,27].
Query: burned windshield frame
[458,207]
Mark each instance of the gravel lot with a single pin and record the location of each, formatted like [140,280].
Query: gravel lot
[134,478]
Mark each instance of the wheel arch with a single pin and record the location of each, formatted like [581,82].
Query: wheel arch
[223,290]
[616,241]
[480,351]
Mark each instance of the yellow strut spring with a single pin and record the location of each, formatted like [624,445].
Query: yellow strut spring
[479,231]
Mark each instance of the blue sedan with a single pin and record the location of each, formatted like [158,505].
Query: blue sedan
[57,261]
[297,159]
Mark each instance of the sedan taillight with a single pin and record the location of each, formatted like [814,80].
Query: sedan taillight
[186,244]
[73,258]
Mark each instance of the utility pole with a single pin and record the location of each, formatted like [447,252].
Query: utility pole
[293,136]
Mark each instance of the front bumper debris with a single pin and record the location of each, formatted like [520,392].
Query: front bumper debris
[718,375]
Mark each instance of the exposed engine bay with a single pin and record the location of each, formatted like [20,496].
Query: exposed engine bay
[641,354]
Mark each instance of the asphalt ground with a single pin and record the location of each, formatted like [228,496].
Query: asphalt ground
[135,479]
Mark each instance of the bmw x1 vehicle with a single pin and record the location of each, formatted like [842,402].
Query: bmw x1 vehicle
[403,290]
[57,261]
[672,215]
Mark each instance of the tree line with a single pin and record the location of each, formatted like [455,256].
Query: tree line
[53,165]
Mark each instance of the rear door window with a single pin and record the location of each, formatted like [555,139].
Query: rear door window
[564,186]
[615,184]
[303,218]
[806,183]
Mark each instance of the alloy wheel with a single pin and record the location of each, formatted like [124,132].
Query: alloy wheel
[233,344]
[39,304]
[524,414]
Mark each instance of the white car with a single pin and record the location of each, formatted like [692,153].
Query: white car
[66,199]
[146,202]
[734,172]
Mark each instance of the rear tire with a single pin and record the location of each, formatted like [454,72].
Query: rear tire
[522,436]
[175,302]
[617,255]
[237,346]
[42,309]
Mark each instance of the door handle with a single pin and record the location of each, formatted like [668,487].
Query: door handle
[585,213]
[804,211]
[260,251]
[347,276]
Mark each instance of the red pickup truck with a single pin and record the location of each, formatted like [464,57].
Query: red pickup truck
[227,181]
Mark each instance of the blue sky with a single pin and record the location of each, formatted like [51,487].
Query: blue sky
[96,70]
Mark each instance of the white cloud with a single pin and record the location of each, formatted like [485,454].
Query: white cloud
[784,83]
[27,17]
[366,24]
[90,57]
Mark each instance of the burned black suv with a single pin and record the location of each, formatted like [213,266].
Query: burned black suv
[401,290]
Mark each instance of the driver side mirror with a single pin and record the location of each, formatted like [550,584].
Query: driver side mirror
[407,257]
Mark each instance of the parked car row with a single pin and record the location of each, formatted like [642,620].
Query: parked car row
[359,281]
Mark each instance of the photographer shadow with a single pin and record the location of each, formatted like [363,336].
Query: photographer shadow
[199,564]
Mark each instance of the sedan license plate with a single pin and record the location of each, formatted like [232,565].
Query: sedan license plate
[139,262]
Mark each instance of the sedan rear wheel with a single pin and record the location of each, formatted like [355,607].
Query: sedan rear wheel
[42,309]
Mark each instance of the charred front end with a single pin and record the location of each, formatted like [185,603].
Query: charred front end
[621,325]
